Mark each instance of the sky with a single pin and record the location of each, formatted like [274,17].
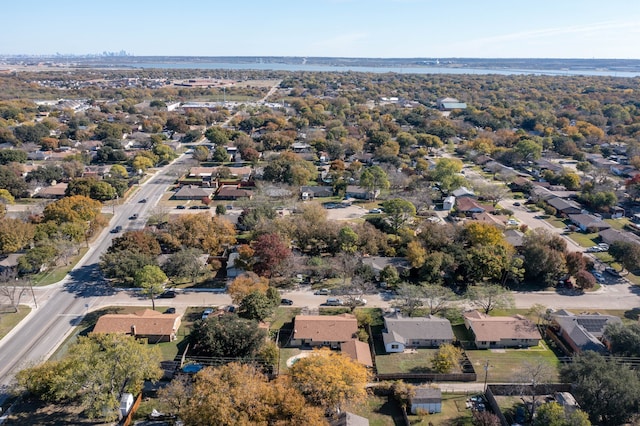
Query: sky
[333,28]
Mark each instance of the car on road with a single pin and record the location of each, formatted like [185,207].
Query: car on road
[133,216]
[170,311]
[517,204]
[375,211]
[180,207]
[116,230]
[332,301]
[206,313]
[611,271]
[359,301]
[144,200]
[167,294]
[286,302]
[204,207]
[194,207]
[322,292]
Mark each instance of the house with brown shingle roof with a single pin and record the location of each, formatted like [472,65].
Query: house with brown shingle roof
[324,330]
[152,325]
[358,351]
[501,332]
[232,192]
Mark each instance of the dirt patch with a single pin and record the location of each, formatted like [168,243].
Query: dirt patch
[35,412]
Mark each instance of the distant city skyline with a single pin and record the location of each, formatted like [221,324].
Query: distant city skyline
[325,28]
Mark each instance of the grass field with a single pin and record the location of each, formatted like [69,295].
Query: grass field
[9,319]
[585,240]
[506,365]
[408,362]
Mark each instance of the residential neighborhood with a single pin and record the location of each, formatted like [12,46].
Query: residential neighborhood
[317,227]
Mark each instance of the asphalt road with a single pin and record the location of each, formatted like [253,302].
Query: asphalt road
[61,307]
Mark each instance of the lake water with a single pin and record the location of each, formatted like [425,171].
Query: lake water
[399,70]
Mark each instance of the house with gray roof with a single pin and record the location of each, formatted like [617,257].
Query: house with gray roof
[418,332]
[587,222]
[583,332]
[428,400]
[612,235]
[565,207]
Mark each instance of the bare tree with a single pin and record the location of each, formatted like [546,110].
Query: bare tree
[534,378]
[437,297]
[12,288]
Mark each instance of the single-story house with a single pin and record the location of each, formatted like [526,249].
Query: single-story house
[416,332]
[360,193]
[358,351]
[378,263]
[448,104]
[154,326]
[57,190]
[501,332]
[426,399]
[324,330]
[583,332]
[463,191]
[498,221]
[191,192]
[565,207]
[587,222]
[468,206]
[311,192]
[10,262]
[543,164]
[346,418]
[612,235]
[232,192]
[449,203]
[514,237]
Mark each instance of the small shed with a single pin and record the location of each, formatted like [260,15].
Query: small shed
[427,399]
[449,203]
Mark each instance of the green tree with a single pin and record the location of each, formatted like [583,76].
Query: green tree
[606,389]
[257,306]
[528,150]
[627,253]
[374,179]
[220,154]
[447,174]
[348,240]
[217,136]
[200,153]
[398,211]
[447,358]
[96,370]
[623,339]
[151,280]
[184,264]
[227,336]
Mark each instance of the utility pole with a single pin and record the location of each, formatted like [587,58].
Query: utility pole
[486,374]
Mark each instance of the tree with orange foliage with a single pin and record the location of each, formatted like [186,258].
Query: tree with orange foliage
[246,284]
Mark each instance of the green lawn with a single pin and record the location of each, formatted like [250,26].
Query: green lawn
[556,222]
[506,365]
[379,410]
[408,362]
[585,240]
[454,412]
[57,274]
[9,319]
[618,224]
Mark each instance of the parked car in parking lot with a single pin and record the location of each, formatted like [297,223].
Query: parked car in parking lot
[598,276]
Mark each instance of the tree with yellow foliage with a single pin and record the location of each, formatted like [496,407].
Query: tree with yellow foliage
[246,284]
[237,394]
[330,379]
